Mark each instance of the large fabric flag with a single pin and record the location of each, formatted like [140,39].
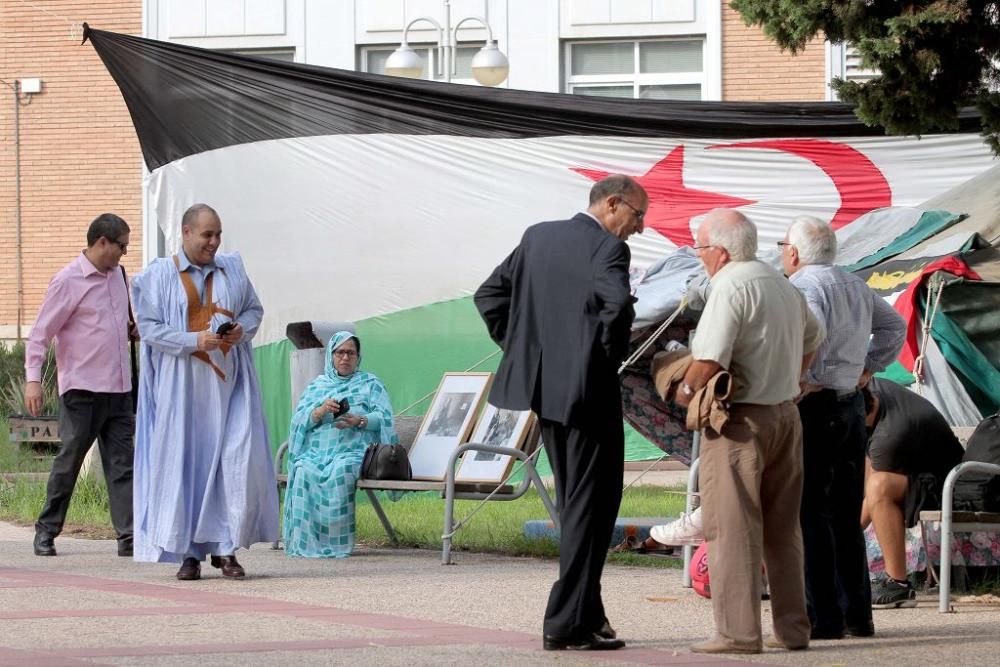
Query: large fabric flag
[386,201]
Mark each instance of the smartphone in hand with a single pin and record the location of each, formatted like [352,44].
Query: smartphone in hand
[225,328]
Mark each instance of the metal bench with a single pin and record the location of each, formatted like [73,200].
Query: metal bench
[450,490]
[958,522]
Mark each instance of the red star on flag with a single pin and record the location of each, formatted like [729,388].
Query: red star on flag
[671,203]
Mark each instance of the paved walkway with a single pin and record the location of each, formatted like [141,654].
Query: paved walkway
[390,607]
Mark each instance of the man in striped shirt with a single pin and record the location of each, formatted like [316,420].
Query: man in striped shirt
[864,335]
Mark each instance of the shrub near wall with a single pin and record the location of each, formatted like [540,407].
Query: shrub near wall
[12,382]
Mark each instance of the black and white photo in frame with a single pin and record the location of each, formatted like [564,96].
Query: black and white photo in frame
[500,428]
[448,423]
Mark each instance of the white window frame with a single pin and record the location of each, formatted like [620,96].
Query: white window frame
[843,61]
[432,56]
[637,79]
[268,52]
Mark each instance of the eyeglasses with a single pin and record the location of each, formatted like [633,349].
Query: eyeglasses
[701,247]
[123,246]
[782,244]
[638,214]
[345,353]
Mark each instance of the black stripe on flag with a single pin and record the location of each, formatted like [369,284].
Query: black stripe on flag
[185,100]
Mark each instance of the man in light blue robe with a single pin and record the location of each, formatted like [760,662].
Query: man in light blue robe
[204,480]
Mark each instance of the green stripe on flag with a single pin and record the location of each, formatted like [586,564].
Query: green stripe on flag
[897,373]
[272,363]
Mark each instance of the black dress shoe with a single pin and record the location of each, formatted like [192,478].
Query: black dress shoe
[861,629]
[594,642]
[44,545]
[607,631]
[230,568]
[190,570]
[826,633]
[125,549]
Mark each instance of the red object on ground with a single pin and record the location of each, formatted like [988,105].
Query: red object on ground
[699,571]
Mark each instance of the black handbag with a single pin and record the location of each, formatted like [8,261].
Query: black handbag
[386,462]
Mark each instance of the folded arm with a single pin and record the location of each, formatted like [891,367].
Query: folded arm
[155,331]
[697,376]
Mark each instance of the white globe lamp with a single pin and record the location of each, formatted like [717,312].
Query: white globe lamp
[404,61]
[489,66]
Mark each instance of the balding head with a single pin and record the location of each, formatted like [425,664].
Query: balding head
[201,231]
[731,230]
[192,215]
[620,204]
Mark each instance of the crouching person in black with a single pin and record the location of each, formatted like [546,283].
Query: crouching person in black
[911,449]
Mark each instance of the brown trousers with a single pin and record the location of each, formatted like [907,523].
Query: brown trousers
[751,489]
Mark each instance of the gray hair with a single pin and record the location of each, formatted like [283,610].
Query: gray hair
[730,229]
[190,217]
[615,184]
[814,239]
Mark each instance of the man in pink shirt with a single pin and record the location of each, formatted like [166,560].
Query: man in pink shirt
[86,313]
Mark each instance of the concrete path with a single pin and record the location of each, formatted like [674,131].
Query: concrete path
[391,607]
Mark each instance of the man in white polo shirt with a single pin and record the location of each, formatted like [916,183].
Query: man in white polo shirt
[758,327]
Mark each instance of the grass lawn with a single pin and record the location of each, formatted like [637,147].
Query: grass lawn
[22,499]
[497,528]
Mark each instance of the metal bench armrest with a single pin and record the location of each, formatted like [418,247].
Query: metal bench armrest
[947,499]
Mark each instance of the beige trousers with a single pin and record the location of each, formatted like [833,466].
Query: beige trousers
[751,489]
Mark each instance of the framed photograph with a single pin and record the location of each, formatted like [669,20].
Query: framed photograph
[448,422]
[501,428]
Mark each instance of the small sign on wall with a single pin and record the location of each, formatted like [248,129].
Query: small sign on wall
[33,429]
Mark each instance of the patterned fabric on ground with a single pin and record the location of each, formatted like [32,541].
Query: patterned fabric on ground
[324,462]
[662,423]
[967,549]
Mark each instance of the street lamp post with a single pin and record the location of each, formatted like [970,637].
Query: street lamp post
[489,66]
[27,87]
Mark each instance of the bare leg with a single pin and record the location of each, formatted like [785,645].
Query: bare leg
[866,514]
[884,495]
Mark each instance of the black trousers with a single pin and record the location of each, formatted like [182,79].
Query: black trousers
[838,590]
[84,416]
[588,467]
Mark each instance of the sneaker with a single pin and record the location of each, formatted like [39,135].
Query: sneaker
[685,530]
[891,594]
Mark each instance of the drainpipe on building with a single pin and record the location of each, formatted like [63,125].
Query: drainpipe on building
[17,201]
[17,209]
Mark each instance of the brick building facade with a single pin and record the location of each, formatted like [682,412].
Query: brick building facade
[78,152]
[755,70]
[79,155]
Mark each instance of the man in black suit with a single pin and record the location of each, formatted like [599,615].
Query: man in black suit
[560,308]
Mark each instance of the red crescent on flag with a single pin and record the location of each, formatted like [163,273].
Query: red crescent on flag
[671,203]
[861,185]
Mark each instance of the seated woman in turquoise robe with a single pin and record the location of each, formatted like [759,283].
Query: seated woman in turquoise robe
[325,450]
